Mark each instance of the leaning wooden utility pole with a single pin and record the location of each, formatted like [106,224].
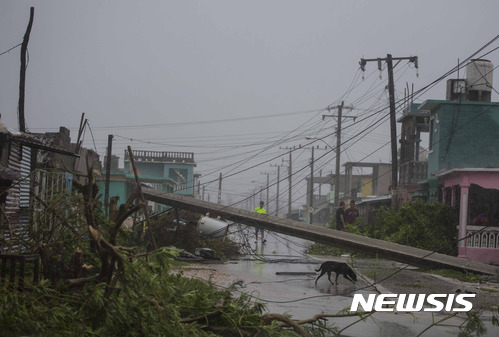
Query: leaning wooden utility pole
[141,195]
[108,172]
[393,123]
[83,123]
[22,80]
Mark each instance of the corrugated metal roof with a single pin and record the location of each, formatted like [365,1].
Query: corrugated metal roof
[33,142]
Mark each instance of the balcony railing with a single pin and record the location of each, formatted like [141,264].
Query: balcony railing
[412,172]
[478,237]
[161,156]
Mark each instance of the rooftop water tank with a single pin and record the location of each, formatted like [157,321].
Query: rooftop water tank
[479,80]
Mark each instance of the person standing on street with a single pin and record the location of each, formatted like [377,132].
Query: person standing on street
[260,210]
[351,213]
[340,217]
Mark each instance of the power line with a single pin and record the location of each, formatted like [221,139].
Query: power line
[212,121]
[5,52]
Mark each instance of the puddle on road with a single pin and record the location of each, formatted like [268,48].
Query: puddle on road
[293,291]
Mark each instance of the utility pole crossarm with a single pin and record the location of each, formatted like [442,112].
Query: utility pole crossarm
[339,108]
[363,61]
[337,116]
[338,151]
[391,90]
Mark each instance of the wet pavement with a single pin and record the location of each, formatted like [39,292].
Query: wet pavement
[279,274]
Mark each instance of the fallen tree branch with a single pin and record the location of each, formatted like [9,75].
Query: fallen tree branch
[322,316]
[80,281]
[125,210]
[268,318]
[126,249]
[201,317]
[317,317]
[357,321]
[226,331]
[104,246]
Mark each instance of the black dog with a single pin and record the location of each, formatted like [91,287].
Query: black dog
[339,268]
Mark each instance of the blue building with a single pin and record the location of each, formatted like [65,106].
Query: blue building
[165,171]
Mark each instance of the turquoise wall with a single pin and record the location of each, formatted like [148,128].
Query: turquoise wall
[116,188]
[156,170]
[150,170]
[189,169]
[465,135]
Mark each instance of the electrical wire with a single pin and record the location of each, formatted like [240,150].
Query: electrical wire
[5,52]
[434,82]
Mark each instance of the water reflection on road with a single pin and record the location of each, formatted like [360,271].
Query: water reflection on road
[279,274]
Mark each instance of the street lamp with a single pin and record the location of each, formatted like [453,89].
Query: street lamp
[315,138]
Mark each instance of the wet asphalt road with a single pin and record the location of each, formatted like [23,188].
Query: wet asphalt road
[279,274]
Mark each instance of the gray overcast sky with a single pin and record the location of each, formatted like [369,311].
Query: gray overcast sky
[234,82]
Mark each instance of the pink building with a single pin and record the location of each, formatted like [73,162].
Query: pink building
[463,159]
[474,193]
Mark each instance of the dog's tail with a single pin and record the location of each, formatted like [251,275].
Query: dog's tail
[320,268]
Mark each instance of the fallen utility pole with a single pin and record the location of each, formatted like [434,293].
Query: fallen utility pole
[332,237]
[391,91]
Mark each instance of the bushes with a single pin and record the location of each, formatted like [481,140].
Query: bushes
[147,301]
[431,226]
[129,291]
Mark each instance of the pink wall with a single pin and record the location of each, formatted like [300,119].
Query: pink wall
[484,255]
[485,179]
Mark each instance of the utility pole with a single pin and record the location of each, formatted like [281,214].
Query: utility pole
[391,91]
[311,190]
[311,187]
[22,79]
[290,173]
[108,172]
[83,123]
[338,150]
[220,189]
[277,197]
[277,187]
[311,195]
[320,185]
[268,184]
[290,180]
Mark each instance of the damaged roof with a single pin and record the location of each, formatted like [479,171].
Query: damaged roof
[29,140]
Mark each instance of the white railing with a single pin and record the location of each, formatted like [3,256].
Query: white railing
[479,238]
[161,156]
